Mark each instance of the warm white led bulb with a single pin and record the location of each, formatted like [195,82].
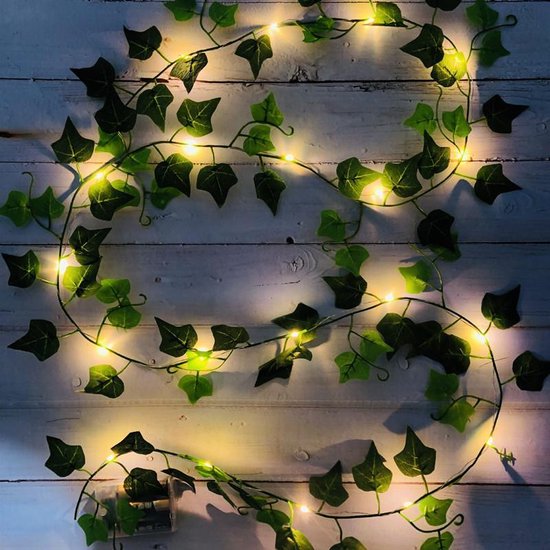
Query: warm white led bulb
[304,509]
[110,458]
[369,21]
[190,149]
[389,297]
[100,175]
[62,266]
[273,27]
[289,157]
[480,337]
[490,441]
[103,351]
[294,334]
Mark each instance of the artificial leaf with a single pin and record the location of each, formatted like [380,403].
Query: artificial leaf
[71,146]
[427,46]
[352,367]
[40,340]
[445,5]
[64,459]
[46,205]
[86,242]
[302,318]
[95,529]
[434,159]
[161,197]
[183,10]
[288,538]
[142,485]
[223,14]
[154,103]
[134,442]
[415,459]
[279,367]
[373,346]
[502,309]
[258,140]
[348,290]
[417,276]
[176,340]
[329,487]
[217,179]
[181,476]
[23,269]
[269,186]
[319,29]
[104,380]
[481,15]
[142,44]
[255,51]
[530,371]
[125,187]
[124,315]
[441,542]
[226,337]
[349,543]
[308,3]
[396,330]
[106,200]
[216,488]
[174,172]
[450,69]
[115,116]
[387,14]
[371,474]
[435,229]
[332,226]
[195,116]
[128,516]
[422,120]
[491,182]
[500,114]
[267,111]
[187,69]
[455,121]
[401,177]
[491,48]
[110,143]
[351,258]
[81,280]
[98,78]
[353,177]
[457,415]
[434,510]
[441,387]
[113,290]
[17,209]
[274,518]
[196,386]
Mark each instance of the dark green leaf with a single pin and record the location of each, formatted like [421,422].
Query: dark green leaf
[387,14]
[302,318]
[317,30]
[142,485]
[441,387]
[255,51]
[415,459]
[181,476]
[450,69]
[124,315]
[502,309]
[500,114]
[437,543]
[115,116]
[134,442]
[64,459]
[154,103]
[85,243]
[371,474]
[113,290]
[128,517]
[280,367]
[187,69]
[329,487]
[183,10]
[373,346]
[98,78]
[274,518]
[401,177]
[174,172]
[217,489]
[349,543]
[434,510]
[396,330]
[217,180]
[351,258]
[332,226]
[530,371]
[142,44]
[353,177]
[491,182]
[348,290]
[269,186]
[196,116]
[427,46]
[81,280]
[106,200]
[258,140]
[125,187]
[456,415]
[482,15]
[95,529]
[196,386]
[435,229]
[423,119]
[176,340]
[46,205]
[110,143]
[352,367]
[71,146]
[223,14]
[417,276]
[491,48]
[308,3]
[132,164]
[445,5]
[40,340]
[455,121]
[434,159]
[104,381]
[17,209]
[288,538]
[23,269]
[267,111]
[226,337]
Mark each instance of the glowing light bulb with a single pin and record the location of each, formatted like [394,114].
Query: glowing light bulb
[378,194]
[190,149]
[207,465]
[481,338]
[294,334]
[369,21]
[389,297]
[490,441]
[461,154]
[62,266]
[273,26]
[100,175]
[102,350]
[110,458]
[407,504]
[304,509]
[289,157]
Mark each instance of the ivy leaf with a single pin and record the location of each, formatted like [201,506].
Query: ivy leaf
[441,387]
[134,442]
[450,69]
[154,103]
[308,3]
[124,315]
[142,44]
[457,415]
[267,111]
[373,345]
[317,30]
[352,367]
[329,487]
[255,51]
[46,205]
[303,318]
[217,180]
[81,280]
[435,230]
[132,164]
[288,538]
[223,14]
[16,208]
[95,529]
[269,186]
[349,543]
[387,14]
[86,242]
[196,116]
[274,518]
[106,200]
[422,120]
[40,340]
[481,15]
[113,290]
[348,290]
[445,5]
[104,380]
[437,543]
[332,226]
[491,182]
[530,371]
[351,258]
[226,337]
[427,46]
[23,269]
[174,172]
[415,459]
[491,48]
[500,114]
[125,187]
[401,177]
[279,367]
[98,78]
[183,10]
[142,485]
[160,198]
[371,474]
[196,386]
[110,143]
[181,476]
[115,116]
[455,121]
[187,69]
[128,516]
[258,140]
[417,277]
[502,309]
[353,177]
[176,340]
[434,510]
[71,146]
[434,159]
[397,331]
[64,459]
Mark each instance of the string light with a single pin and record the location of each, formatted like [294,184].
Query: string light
[389,297]
[369,21]
[289,157]
[480,337]
[62,266]
[461,154]
[294,334]
[110,458]
[102,350]
[190,149]
[378,194]
[304,509]
[490,441]
[100,175]
[273,26]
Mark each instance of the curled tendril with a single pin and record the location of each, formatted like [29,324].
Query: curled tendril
[383,376]
[455,520]
[172,369]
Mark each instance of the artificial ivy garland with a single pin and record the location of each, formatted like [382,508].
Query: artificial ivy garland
[398,184]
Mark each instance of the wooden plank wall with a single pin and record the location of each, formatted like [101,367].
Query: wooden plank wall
[203,265]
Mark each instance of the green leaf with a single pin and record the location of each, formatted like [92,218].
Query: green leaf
[422,120]
[445,5]
[303,318]
[352,367]
[174,172]
[142,44]
[104,381]
[183,10]
[332,226]
[46,205]
[502,309]
[154,103]
[351,258]
[456,415]
[64,459]
[255,51]
[373,346]
[71,146]
[441,387]
[258,140]
[115,116]
[500,114]
[134,442]
[113,290]
[530,371]
[455,121]
[353,177]
[216,488]
[329,487]
[450,69]
[176,340]
[81,280]
[481,15]
[187,69]
[86,242]
[226,337]
[434,159]
[415,459]
[401,177]
[195,116]
[348,290]
[491,48]
[23,269]
[106,200]
[427,46]
[396,330]
[142,485]
[124,315]
[491,182]
[132,164]
[98,78]
[371,474]
[317,30]
[435,229]
[437,543]
[95,529]
[110,143]
[161,197]
[17,209]
[387,14]
[308,3]
[417,277]
[269,186]
[196,386]
[349,543]
[274,518]
[267,111]
[188,480]
[217,180]
[279,367]
[434,510]
[223,14]
[40,340]
[128,517]
[288,538]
